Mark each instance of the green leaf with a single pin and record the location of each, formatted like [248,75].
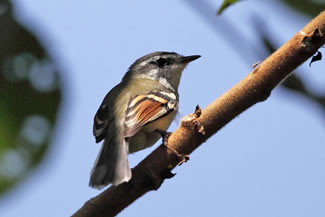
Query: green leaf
[226,4]
[30,95]
[308,7]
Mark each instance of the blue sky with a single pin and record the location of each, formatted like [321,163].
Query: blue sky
[269,161]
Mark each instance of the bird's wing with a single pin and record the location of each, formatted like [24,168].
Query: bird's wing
[146,108]
[101,122]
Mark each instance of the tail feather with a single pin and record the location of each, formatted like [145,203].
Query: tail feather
[111,165]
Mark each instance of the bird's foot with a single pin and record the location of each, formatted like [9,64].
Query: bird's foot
[164,136]
[181,157]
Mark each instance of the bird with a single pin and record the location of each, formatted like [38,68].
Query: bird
[134,113]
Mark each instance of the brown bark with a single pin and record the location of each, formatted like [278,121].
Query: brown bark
[198,127]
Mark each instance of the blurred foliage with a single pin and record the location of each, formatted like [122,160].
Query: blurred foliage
[308,7]
[226,4]
[30,95]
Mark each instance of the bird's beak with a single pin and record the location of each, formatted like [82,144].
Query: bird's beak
[188,59]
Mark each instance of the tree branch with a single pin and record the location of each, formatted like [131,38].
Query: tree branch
[198,127]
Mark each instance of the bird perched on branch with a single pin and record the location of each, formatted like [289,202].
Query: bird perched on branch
[135,112]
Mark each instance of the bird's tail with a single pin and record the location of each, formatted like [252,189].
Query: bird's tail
[111,165]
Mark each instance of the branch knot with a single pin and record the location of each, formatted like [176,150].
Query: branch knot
[311,40]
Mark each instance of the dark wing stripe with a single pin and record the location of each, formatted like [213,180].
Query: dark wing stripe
[165,95]
[100,122]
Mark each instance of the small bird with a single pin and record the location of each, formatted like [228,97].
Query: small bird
[135,112]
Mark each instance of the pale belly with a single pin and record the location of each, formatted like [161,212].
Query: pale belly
[146,137]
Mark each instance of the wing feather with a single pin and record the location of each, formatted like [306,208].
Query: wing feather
[101,122]
[144,109]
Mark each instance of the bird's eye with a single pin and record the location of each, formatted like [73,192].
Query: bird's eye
[161,62]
